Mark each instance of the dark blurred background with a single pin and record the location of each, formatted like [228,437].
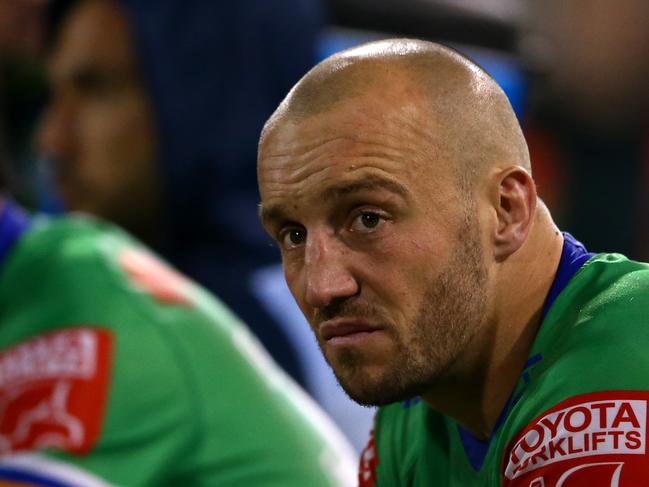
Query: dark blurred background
[575,71]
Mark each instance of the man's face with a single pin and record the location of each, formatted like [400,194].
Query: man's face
[380,247]
[98,128]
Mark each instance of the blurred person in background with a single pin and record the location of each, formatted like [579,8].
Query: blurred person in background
[116,370]
[588,127]
[152,124]
[21,27]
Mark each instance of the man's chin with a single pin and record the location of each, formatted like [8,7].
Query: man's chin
[371,389]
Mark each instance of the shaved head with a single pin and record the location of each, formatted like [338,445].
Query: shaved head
[463,116]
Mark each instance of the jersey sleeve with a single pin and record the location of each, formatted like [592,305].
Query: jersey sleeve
[584,417]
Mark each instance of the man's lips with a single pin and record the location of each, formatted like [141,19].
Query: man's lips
[343,327]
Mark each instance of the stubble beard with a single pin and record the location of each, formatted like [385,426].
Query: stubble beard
[452,311]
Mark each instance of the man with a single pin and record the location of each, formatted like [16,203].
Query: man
[396,180]
[153,122]
[115,370]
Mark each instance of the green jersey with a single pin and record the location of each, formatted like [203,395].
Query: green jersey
[116,370]
[578,415]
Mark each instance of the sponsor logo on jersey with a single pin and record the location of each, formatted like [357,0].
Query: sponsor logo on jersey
[53,390]
[591,439]
[368,462]
[152,276]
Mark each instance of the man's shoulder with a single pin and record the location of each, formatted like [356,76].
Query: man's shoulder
[79,260]
[57,268]
[606,303]
[64,250]
[606,280]
[610,279]
[61,231]
[594,338]
[583,397]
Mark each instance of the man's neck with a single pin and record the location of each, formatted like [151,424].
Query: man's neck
[481,381]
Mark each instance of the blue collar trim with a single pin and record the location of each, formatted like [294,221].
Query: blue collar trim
[14,221]
[573,256]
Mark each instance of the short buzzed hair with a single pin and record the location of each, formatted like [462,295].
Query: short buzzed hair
[463,104]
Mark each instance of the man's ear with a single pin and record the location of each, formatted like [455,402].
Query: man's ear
[515,204]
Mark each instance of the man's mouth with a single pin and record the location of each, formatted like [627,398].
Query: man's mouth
[346,330]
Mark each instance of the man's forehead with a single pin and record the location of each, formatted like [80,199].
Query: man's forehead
[365,135]
[328,157]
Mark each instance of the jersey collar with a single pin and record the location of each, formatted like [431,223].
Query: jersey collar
[13,223]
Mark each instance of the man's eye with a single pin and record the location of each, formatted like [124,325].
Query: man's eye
[292,237]
[92,83]
[367,221]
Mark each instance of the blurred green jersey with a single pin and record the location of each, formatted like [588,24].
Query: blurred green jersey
[117,371]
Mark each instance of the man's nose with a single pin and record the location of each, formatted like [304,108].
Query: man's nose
[328,275]
[55,136]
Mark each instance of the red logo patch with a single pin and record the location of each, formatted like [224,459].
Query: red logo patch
[368,462]
[53,390]
[592,439]
[155,277]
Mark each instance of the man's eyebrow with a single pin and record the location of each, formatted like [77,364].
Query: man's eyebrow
[371,183]
[276,213]
[269,214]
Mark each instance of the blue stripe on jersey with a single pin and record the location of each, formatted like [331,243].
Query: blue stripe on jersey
[573,256]
[19,477]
